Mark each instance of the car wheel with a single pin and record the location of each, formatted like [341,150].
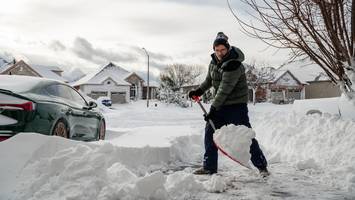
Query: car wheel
[61,129]
[102,130]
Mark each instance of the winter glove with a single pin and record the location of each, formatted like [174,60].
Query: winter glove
[197,93]
[211,115]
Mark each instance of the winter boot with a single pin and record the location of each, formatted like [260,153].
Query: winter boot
[202,171]
[264,173]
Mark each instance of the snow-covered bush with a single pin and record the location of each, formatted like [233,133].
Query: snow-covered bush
[168,96]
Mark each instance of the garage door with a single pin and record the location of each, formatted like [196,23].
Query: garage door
[118,97]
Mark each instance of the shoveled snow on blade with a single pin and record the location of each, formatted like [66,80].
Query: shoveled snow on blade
[235,141]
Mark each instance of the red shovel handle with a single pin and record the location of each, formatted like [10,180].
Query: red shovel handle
[196,98]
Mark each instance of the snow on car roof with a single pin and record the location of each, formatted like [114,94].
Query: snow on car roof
[18,84]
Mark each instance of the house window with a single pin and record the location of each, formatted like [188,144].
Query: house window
[97,94]
[132,92]
[101,93]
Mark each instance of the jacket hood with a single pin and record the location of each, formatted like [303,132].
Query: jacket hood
[234,53]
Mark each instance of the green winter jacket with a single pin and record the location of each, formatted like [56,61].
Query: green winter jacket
[228,79]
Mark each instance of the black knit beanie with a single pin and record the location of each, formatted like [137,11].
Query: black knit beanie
[221,39]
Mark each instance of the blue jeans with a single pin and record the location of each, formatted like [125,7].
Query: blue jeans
[232,114]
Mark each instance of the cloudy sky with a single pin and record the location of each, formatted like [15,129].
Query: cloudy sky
[88,34]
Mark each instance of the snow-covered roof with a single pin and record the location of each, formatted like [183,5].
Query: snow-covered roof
[322,76]
[285,77]
[304,72]
[116,73]
[48,73]
[50,67]
[277,75]
[3,62]
[5,66]
[43,71]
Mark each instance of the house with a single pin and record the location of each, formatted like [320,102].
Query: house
[318,84]
[285,88]
[282,86]
[321,87]
[115,82]
[22,68]
[153,86]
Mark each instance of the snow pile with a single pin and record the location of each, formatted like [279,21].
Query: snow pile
[307,164]
[324,105]
[49,167]
[55,168]
[337,106]
[187,149]
[316,143]
[216,184]
[347,107]
[235,141]
[150,186]
[182,185]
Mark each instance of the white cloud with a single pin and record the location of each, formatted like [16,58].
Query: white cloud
[87,34]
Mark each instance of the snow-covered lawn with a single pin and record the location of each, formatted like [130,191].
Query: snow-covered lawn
[149,153]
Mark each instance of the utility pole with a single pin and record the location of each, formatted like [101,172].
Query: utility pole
[146,52]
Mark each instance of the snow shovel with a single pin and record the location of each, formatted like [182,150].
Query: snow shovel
[198,100]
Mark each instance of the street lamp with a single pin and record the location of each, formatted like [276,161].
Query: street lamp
[146,52]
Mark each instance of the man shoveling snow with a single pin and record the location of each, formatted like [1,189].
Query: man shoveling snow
[226,74]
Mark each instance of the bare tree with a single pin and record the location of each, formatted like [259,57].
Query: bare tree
[258,75]
[322,30]
[177,75]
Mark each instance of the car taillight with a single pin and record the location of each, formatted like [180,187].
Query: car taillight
[4,137]
[28,106]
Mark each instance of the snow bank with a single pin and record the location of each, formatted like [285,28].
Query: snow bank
[235,141]
[347,107]
[183,185]
[316,143]
[55,168]
[157,136]
[17,151]
[216,184]
[324,105]
[337,106]
[187,149]
[49,167]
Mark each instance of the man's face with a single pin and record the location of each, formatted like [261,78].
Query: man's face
[220,51]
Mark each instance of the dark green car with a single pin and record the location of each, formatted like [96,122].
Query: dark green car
[31,104]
